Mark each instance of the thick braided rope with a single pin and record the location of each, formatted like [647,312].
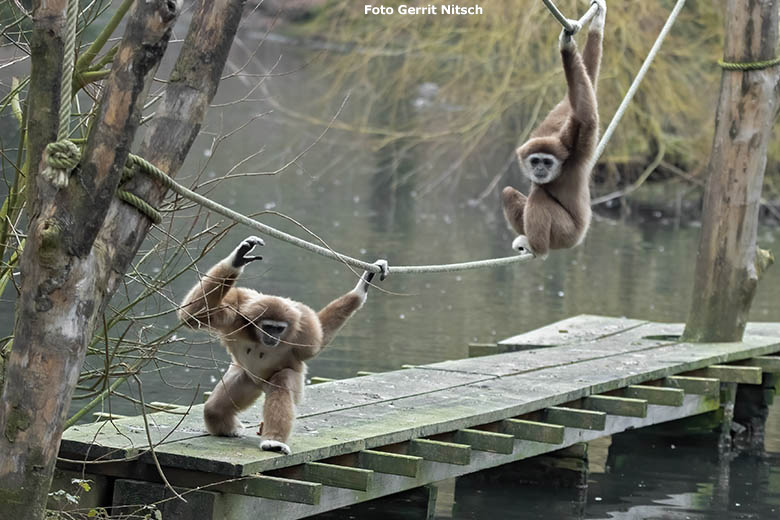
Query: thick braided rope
[637,81]
[749,65]
[168,182]
[62,156]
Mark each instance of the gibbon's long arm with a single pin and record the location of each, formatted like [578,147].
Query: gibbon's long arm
[591,54]
[337,312]
[214,301]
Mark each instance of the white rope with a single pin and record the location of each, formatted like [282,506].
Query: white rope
[637,81]
[334,255]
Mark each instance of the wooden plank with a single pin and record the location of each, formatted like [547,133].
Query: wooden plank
[575,418]
[694,385]
[533,431]
[486,441]
[626,406]
[767,364]
[734,374]
[319,380]
[390,463]
[658,395]
[277,488]
[580,328]
[439,451]
[345,477]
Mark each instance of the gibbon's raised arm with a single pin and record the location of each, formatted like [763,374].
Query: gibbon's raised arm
[213,302]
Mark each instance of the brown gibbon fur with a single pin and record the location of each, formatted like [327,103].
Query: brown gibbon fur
[269,339]
[557,157]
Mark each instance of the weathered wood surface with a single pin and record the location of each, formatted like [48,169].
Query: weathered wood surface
[236,506]
[377,410]
[578,329]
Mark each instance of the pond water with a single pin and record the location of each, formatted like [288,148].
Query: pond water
[373,200]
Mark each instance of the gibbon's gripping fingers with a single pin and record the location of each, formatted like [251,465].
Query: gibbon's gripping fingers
[597,22]
[566,40]
[238,257]
[365,280]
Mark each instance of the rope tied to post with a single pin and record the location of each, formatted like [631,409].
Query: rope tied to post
[61,157]
[749,65]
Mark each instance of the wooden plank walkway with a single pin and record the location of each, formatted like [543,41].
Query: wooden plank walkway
[374,435]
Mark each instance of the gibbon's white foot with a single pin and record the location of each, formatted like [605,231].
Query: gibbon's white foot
[277,446]
[597,22]
[523,246]
[238,258]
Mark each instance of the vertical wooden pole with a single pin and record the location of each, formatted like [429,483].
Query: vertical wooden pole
[729,264]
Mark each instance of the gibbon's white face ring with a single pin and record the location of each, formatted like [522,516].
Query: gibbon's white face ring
[271,332]
[541,168]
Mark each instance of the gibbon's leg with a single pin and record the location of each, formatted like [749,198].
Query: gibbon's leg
[537,238]
[591,54]
[203,305]
[337,312]
[514,205]
[281,392]
[234,392]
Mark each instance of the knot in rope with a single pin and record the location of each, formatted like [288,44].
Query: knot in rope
[61,158]
[749,65]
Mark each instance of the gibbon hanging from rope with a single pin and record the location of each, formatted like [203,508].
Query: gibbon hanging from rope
[558,156]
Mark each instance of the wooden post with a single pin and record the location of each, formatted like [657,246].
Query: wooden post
[729,264]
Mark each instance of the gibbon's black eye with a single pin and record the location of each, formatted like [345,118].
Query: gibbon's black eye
[534,161]
[548,163]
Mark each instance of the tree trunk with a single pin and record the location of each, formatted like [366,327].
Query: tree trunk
[729,263]
[81,239]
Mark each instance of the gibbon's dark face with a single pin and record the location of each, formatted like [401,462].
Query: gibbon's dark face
[541,168]
[271,332]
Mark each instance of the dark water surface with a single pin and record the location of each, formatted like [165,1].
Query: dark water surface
[374,200]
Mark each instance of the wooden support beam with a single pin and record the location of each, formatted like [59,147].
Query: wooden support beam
[658,395]
[439,451]
[623,406]
[734,374]
[576,418]
[533,431]
[694,385]
[105,416]
[486,441]
[277,488]
[391,463]
[161,406]
[768,364]
[317,380]
[482,349]
[338,476]
[361,373]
